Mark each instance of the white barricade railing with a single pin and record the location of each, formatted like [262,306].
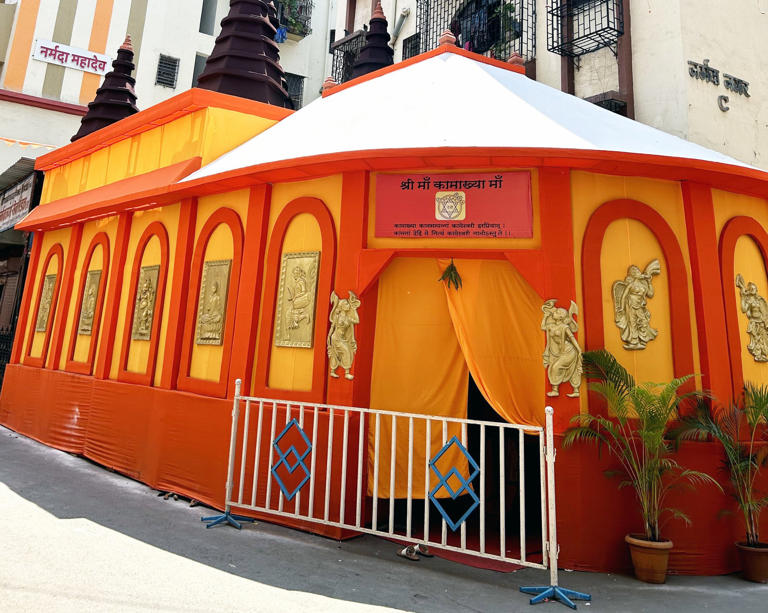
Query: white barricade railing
[343,467]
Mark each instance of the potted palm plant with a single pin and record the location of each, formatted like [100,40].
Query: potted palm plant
[740,428]
[636,435]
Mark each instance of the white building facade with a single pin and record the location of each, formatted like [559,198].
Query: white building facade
[689,67]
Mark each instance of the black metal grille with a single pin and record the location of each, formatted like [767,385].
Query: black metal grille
[615,106]
[295,89]
[577,27]
[167,71]
[295,15]
[345,53]
[6,344]
[496,28]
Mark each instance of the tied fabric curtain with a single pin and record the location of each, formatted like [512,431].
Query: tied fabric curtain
[497,319]
[418,367]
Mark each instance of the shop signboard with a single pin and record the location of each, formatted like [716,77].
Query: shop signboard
[15,203]
[488,205]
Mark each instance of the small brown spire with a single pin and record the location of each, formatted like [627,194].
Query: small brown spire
[516,59]
[128,44]
[376,52]
[115,99]
[447,38]
[329,83]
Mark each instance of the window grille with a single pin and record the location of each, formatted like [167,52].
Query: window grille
[295,16]
[496,28]
[167,71]
[295,89]
[345,53]
[577,27]
[615,106]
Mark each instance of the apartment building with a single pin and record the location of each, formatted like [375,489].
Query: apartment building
[688,67]
[54,53]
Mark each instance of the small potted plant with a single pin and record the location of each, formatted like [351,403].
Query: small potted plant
[740,428]
[636,435]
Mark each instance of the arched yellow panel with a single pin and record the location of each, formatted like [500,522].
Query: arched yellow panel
[39,337]
[83,341]
[290,368]
[748,262]
[206,359]
[138,350]
[628,242]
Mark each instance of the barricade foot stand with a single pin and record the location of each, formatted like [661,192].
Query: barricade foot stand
[226,517]
[554,592]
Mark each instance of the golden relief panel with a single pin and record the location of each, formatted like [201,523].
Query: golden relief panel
[562,353]
[212,307]
[88,304]
[755,309]
[342,345]
[46,298]
[630,306]
[296,299]
[144,309]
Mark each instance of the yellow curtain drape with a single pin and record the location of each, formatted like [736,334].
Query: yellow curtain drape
[497,318]
[418,367]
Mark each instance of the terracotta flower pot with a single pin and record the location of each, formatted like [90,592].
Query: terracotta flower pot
[754,562]
[650,558]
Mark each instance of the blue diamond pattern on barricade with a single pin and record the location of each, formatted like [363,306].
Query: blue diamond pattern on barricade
[465,483]
[292,459]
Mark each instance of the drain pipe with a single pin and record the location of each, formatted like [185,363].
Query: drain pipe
[399,25]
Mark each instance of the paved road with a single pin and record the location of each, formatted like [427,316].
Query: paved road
[76,537]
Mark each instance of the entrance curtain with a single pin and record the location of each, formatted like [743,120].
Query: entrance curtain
[497,318]
[418,367]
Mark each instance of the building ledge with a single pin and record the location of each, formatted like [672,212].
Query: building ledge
[7,95]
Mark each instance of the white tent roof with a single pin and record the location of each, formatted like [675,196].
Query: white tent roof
[449,100]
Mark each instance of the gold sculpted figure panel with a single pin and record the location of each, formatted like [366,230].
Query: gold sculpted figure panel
[44,310]
[88,305]
[755,308]
[630,306]
[296,298]
[562,355]
[212,306]
[144,309]
[342,345]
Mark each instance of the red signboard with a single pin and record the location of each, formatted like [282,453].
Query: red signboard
[496,205]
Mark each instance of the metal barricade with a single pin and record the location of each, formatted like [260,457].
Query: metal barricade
[407,477]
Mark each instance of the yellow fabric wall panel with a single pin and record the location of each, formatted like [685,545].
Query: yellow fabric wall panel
[206,359]
[290,368]
[589,192]
[49,239]
[460,243]
[119,161]
[224,130]
[97,170]
[749,263]
[169,216]
[207,205]
[628,242]
[107,225]
[83,342]
[182,138]
[327,189]
[418,367]
[728,205]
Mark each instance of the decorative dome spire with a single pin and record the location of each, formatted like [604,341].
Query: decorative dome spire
[246,60]
[376,53]
[116,98]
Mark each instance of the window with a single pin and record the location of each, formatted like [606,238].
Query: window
[295,89]
[295,16]
[200,61]
[208,17]
[495,28]
[577,27]
[345,53]
[167,71]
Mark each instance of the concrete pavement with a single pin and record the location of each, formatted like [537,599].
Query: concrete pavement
[76,537]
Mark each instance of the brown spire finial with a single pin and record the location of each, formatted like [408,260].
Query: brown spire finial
[329,83]
[376,53]
[447,38]
[115,99]
[245,61]
[128,44]
[516,59]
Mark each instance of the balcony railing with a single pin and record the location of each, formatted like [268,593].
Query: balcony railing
[295,16]
[345,52]
[578,27]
